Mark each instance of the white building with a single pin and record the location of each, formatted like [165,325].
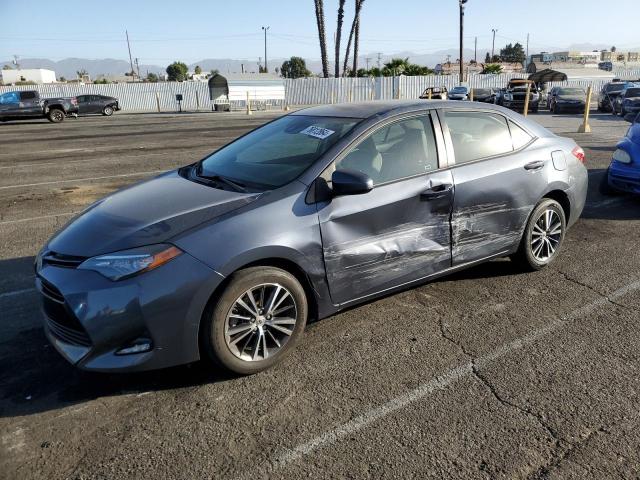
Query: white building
[36,75]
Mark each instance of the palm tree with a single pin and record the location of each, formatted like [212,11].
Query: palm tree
[81,73]
[322,37]
[338,35]
[356,19]
[356,43]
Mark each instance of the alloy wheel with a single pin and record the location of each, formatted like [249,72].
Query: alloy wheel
[546,235]
[260,322]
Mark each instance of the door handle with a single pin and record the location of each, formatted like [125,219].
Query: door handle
[537,165]
[436,191]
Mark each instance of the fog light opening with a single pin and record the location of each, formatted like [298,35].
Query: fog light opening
[139,345]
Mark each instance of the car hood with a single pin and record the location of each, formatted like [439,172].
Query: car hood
[150,212]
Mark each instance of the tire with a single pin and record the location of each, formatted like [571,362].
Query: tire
[55,115]
[237,352]
[538,250]
[107,111]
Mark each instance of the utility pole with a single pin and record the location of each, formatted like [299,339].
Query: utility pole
[493,45]
[367,60]
[130,58]
[266,67]
[379,58]
[138,68]
[475,50]
[526,61]
[462,2]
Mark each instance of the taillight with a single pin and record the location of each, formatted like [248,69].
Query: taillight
[579,154]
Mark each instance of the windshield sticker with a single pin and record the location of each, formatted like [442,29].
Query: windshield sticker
[318,132]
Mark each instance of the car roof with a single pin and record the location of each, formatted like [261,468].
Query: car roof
[365,110]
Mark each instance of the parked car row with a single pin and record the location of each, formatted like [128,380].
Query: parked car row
[620,97]
[27,104]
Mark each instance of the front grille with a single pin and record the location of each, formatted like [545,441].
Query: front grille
[62,323]
[60,260]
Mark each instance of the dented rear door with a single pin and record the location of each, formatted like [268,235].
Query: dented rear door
[495,194]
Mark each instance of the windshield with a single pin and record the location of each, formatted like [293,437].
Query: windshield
[633,92]
[482,91]
[459,90]
[278,152]
[615,87]
[571,91]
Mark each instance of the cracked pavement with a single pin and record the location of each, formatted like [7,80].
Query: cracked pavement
[489,373]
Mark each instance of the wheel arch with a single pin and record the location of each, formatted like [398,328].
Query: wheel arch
[562,198]
[282,263]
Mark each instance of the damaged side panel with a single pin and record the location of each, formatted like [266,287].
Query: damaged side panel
[385,238]
[482,230]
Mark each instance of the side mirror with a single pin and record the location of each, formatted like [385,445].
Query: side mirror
[350,182]
[631,117]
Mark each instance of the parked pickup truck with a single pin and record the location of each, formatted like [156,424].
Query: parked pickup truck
[27,104]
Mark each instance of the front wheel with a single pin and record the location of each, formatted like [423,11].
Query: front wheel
[55,115]
[257,320]
[107,111]
[543,236]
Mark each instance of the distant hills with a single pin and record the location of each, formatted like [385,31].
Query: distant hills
[116,67]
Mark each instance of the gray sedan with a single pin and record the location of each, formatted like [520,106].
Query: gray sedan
[228,258]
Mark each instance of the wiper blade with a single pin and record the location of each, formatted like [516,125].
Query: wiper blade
[237,186]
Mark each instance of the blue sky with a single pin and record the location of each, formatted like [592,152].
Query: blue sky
[162,31]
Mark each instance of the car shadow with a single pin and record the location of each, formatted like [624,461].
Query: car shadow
[34,378]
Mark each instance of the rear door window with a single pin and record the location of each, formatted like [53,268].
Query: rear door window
[477,135]
[28,95]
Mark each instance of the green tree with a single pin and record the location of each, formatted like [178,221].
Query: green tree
[82,73]
[197,70]
[152,77]
[492,68]
[177,72]
[62,79]
[513,53]
[102,81]
[487,58]
[295,67]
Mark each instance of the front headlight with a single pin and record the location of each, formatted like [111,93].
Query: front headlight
[621,156]
[124,264]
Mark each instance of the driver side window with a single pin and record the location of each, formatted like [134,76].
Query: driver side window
[399,150]
[9,98]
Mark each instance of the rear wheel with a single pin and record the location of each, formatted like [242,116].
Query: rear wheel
[543,236]
[55,115]
[257,320]
[107,111]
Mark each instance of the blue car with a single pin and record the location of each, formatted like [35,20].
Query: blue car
[623,174]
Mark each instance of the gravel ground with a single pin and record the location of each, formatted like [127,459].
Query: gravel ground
[488,373]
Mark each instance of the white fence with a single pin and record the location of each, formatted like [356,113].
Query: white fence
[141,97]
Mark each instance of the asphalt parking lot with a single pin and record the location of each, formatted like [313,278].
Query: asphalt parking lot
[491,373]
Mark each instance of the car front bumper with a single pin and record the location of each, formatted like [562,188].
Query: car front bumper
[625,177]
[88,318]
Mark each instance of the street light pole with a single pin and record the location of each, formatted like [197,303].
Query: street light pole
[462,2]
[266,68]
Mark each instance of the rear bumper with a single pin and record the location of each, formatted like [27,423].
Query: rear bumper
[89,318]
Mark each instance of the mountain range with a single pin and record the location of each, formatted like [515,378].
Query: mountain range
[116,67]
